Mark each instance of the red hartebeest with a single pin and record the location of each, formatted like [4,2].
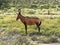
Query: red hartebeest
[29,21]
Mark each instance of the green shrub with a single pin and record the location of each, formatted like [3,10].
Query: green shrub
[53,39]
[43,39]
[32,44]
[59,40]
[57,33]
[34,38]
[44,6]
[59,6]
[53,6]
[46,39]
[31,12]
[33,6]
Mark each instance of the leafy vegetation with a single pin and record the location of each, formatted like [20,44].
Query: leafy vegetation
[12,31]
[44,4]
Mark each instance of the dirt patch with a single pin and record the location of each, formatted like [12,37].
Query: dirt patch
[49,44]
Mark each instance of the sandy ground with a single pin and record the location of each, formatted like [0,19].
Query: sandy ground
[50,44]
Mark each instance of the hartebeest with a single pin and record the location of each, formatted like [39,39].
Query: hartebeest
[28,20]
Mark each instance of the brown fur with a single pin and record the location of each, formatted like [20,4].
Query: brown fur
[29,21]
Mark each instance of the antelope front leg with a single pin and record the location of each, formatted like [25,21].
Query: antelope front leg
[26,28]
[38,28]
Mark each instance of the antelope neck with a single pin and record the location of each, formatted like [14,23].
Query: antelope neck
[21,17]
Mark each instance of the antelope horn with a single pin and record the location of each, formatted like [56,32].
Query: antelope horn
[19,10]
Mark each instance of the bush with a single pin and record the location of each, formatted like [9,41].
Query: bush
[31,12]
[33,6]
[50,39]
[59,6]
[43,39]
[34,38]
[44,6]
[53,39]
[53,6]
[4,4]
